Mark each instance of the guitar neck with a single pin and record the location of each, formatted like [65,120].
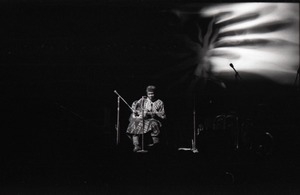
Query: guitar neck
[150,112]
[141,113]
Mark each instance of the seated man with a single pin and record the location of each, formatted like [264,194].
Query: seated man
[148,111]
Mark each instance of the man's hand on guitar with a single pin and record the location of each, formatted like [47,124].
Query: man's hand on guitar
[147,114]
[136,113]
[150,114]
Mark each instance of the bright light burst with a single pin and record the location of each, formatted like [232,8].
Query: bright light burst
[264,36]
[258,38]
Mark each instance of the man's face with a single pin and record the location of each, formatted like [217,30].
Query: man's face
[150,95]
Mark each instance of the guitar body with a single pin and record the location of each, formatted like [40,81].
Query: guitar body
[147,111]
[137,115]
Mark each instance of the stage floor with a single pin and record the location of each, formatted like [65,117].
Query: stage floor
[110,170]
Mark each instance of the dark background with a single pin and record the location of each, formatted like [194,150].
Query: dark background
[60,64]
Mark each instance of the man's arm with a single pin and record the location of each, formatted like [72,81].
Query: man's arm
[161,111]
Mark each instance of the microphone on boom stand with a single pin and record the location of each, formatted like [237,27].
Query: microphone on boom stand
[237,76]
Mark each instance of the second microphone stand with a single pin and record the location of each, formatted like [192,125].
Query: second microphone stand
[194,140]
[237,141]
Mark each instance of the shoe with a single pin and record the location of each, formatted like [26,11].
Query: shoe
[153,144]
[136,148]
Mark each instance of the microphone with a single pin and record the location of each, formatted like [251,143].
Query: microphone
[231,65]
[115,91]
[236,73]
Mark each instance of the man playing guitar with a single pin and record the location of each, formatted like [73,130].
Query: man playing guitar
[146,116]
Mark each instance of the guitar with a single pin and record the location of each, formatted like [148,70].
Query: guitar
[138,114]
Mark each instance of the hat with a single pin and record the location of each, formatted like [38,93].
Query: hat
[151,88]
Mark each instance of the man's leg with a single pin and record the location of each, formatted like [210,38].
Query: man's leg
[155,140]
[135,141]
[155,134]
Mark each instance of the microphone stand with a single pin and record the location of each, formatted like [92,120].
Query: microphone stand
[237,78]
[143,121]
[118,116]
[194,142]
[118,122]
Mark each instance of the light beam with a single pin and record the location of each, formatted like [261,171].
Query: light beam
[258,38]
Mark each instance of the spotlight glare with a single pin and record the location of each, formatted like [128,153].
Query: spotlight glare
[266,44]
